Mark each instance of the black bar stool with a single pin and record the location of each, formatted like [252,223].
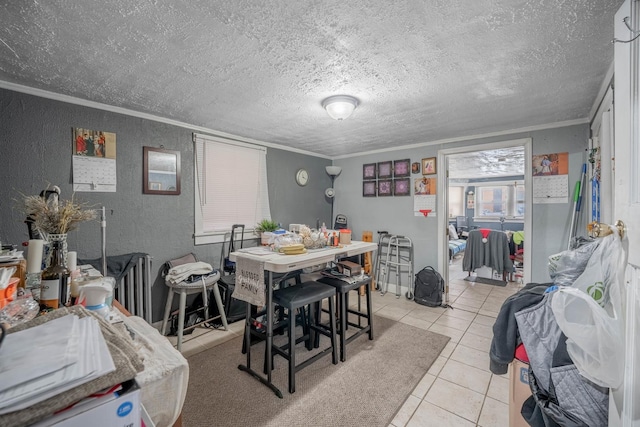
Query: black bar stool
[342,290]
[279,279]
[308,294]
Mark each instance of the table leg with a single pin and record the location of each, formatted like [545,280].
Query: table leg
[269,322]
[247,337]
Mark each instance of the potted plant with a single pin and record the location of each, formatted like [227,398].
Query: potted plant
[264,229]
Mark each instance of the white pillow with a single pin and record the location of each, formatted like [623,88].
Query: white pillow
[452,233]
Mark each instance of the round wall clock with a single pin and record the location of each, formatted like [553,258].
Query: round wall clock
[302,177]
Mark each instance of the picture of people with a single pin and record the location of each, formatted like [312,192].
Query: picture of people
[550,164]
[94,143]
[424,186]
[415,167]
[429,166]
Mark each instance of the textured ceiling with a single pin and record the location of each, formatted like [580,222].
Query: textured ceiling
[422,70]
[500,162]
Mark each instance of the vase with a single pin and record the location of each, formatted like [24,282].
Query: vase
[265,238]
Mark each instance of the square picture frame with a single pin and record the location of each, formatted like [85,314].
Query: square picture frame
[369,171]
[402,187]
[401,168]
[369,189]
[161,171]
[385,169]
[385,187]
[429,166]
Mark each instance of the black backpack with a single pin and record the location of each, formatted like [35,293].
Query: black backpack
[429,287]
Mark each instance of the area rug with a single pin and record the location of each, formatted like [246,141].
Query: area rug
[485,280]
[366,390]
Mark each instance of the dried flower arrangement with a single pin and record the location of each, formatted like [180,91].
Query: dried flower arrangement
[56,217]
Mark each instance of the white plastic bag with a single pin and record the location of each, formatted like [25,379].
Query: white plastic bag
[565,267]
[590,315]
[595,340]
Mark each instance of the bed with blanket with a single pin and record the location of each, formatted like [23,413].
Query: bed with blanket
[456,246]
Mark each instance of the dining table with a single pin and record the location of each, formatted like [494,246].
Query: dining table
[275,263]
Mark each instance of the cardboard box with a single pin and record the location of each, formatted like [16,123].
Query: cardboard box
[349,268]
[519,391]
[107,411]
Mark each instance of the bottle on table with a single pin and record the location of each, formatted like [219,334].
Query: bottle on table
[54,287]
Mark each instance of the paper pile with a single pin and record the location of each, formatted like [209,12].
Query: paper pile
[43,361]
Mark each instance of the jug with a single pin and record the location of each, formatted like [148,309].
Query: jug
[94,295]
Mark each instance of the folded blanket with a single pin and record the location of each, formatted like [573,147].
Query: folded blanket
[182,272]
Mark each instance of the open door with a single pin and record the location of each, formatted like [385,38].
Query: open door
[624,405]
[444,158]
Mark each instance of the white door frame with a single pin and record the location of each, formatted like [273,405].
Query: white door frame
[442,202]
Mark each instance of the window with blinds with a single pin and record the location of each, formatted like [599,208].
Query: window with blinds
[231,186]
[496,200]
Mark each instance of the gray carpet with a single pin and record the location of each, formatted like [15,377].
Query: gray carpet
[485,280]
[366,390]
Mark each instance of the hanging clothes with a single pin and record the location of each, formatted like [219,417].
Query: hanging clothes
[490,251]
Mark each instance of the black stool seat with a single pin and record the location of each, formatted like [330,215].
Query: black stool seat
[342,288]
[342,285]
[303,294]
[298,297]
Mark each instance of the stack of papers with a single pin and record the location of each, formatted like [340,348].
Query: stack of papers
[43,361]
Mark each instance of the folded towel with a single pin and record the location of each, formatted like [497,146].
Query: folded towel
[182,272]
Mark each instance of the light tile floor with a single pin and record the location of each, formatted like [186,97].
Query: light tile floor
[459,389]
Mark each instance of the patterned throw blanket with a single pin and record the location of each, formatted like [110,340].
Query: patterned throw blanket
[250,281]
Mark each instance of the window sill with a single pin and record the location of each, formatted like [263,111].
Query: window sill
[220,237]
[492,219]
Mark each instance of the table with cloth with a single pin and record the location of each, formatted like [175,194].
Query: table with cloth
[280,263]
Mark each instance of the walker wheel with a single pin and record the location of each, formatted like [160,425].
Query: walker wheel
[409,296]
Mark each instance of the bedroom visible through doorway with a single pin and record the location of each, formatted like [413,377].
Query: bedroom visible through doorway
[485,187]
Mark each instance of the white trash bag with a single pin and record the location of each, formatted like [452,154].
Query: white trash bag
[590,314]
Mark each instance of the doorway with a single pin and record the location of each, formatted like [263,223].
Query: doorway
[501,168]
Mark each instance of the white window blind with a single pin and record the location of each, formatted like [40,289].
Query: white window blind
[456,201]
[231,186]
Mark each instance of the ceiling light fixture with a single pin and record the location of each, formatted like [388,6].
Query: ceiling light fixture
[339,107]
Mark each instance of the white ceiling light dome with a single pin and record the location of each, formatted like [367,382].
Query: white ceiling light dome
[339,107]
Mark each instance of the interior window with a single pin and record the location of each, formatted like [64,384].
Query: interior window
[500,201]
[230,186]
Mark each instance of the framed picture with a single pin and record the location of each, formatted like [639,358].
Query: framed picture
[415,167]
[401,168]
[161,171]
[369,171]
[385,169]
[385,187]
[369,189]
[429,166]
[425,186]
[402,187]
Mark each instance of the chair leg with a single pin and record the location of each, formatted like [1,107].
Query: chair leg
[332,322]
[167,311]
[344,312]
[292,350]
[218,298]
[183,303]
[369,312]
